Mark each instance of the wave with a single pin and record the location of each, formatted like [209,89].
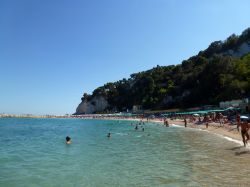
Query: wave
[173,125]
[122,134]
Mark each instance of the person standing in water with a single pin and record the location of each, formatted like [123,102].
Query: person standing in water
[136,127]
[185,122]
[166,123]
[68,140]
[109,135]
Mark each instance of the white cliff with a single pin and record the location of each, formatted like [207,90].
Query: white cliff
[96,104]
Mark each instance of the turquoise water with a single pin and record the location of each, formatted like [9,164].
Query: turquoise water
[33,153]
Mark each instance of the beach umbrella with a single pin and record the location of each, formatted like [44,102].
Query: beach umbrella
[244,117]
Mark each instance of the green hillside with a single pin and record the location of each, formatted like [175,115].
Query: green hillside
[219,73]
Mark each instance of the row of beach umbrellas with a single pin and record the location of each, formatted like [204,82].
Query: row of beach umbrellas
[197,113]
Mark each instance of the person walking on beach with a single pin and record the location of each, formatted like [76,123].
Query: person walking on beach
[185,122]
[220,118]
[244,131]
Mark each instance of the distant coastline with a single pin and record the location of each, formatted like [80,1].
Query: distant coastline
[32,116]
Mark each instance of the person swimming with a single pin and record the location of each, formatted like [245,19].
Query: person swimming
[109,135]
[68,140]
[136,127]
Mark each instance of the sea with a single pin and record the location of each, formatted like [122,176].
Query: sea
[33,152]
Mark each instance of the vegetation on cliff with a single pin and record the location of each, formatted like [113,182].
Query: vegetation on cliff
[212,76]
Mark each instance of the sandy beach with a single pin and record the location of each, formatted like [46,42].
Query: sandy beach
[225,130]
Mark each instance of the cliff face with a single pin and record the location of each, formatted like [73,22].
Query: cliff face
[96,104]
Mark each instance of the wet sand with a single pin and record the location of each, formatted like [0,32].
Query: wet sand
[223,130]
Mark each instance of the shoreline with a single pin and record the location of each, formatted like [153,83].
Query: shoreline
[226,131]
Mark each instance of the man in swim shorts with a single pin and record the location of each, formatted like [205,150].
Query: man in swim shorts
[244,131]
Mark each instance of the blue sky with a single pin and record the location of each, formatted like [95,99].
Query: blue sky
[52,51]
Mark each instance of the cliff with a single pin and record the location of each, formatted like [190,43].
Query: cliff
[94,105]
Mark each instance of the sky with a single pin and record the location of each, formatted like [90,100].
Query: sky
[51,52]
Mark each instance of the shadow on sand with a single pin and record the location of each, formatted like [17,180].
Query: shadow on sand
[242,152]
[236,148]
[239,151]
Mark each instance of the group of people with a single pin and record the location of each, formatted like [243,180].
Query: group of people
[140,124]
[68,139]
[242,124]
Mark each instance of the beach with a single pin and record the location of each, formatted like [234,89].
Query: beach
[224,130]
